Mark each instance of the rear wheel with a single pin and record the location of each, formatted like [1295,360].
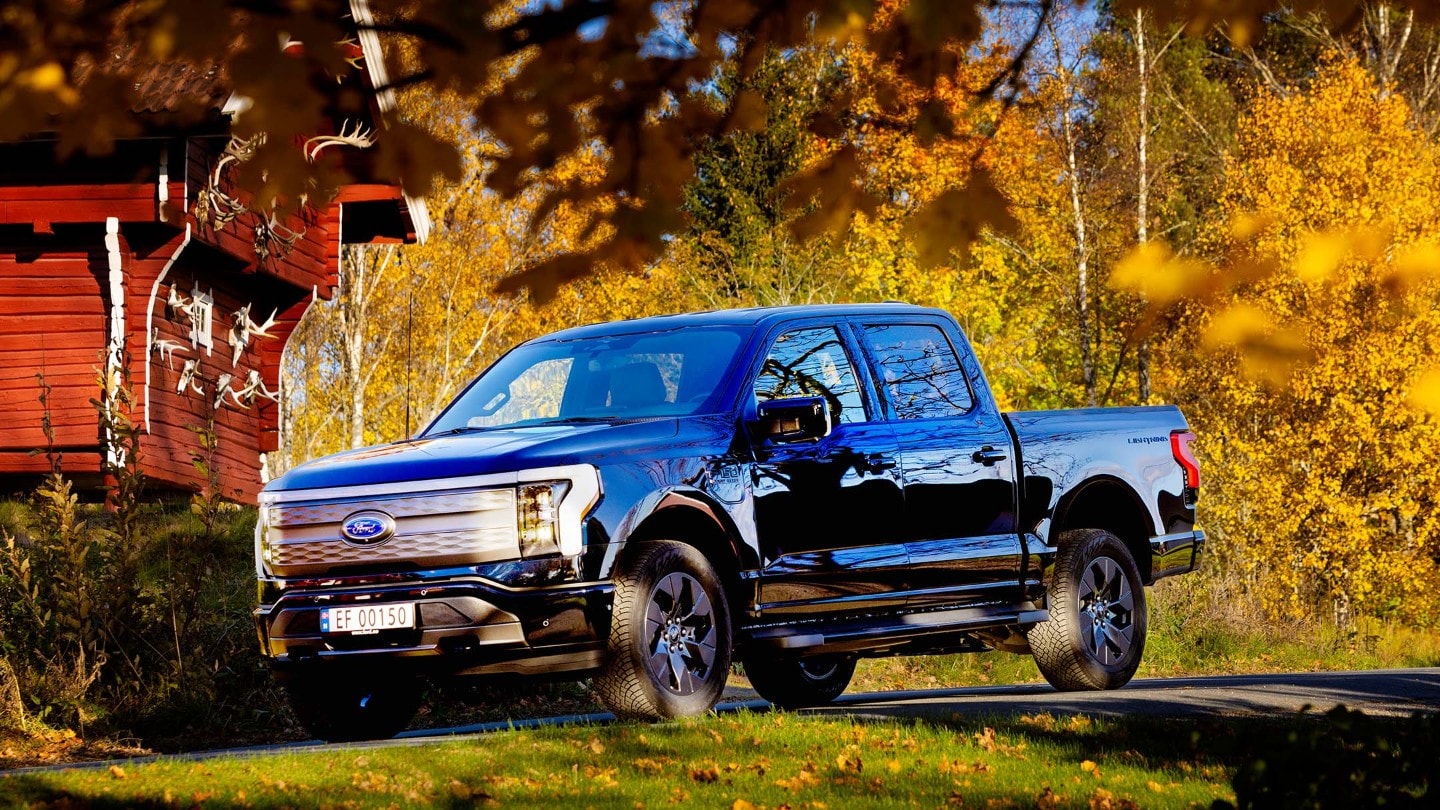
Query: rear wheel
[344,705]
[794,683]
[669,648]
[1096,632]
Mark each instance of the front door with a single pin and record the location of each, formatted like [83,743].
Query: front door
[959,478]
[827,512]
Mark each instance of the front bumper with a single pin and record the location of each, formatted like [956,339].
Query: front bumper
[1173,554]
[464,624]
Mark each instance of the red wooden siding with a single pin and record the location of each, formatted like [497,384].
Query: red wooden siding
[55,308]
[52,322]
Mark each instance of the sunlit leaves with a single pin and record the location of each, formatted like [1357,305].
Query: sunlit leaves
[1151,270]
[1323,290]
[1425,393]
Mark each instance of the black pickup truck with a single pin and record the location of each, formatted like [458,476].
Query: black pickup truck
[795,487]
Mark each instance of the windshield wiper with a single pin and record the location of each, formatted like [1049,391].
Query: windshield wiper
[455,431]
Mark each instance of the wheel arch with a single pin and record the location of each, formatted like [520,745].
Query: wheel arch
[690,517]
[1106,502]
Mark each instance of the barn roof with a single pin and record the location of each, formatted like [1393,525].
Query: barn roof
[185,91]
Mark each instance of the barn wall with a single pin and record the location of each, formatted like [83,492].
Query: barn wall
[174,416]
[54,306]
[52,322]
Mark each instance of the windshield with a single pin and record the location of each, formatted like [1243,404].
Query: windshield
[674,373]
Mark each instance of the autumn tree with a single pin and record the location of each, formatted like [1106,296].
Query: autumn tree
[1323,494]
[625,66]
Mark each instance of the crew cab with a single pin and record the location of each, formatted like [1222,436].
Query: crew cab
[642,502]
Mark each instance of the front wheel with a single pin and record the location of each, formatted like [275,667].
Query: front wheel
[1096,632]
[669,648]
[795,683]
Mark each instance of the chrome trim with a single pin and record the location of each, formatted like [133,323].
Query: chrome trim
[1172,554]
[438,522]
[306,538]
[371,491]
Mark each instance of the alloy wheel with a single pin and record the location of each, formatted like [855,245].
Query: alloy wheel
[680,634]
[1107,607]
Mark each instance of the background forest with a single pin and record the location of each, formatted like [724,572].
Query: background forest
[1250,230]
[1243,231]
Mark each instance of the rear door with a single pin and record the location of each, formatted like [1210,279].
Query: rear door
[957,473]
[827,512]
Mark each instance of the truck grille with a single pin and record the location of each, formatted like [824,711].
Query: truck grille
[431,530]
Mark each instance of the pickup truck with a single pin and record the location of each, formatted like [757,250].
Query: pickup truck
[644,502]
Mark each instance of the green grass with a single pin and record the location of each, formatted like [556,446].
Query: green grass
[749,760]
[765,760]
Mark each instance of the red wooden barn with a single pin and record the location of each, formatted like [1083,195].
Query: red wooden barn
[147,258]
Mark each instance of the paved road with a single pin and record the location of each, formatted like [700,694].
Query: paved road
[1387,692]
[1382,692]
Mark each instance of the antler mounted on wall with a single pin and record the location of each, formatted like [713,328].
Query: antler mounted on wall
[254,387]
[213,206]
[360,138]
[269,231]
[245,330]
[222,389]
[176,303]
[164,347]
[189,376]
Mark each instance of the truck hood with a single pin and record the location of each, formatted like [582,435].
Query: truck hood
[481,453]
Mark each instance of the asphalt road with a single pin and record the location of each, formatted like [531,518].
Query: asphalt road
[1378,692]
[1395,692]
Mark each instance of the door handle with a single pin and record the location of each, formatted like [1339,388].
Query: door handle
[989,456]
[879,461]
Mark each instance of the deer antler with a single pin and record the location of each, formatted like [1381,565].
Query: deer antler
[254,387]
[360,138]
[238,150]
[222,389]
[187,379]
[246,330]
[176,302]
[164,347]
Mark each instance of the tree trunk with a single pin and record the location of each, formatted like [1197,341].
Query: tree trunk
[361,271]
[1142,191]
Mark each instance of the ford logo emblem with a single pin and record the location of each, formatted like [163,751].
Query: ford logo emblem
[368,528]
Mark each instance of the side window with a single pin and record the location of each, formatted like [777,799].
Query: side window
[920,371]
[812,363]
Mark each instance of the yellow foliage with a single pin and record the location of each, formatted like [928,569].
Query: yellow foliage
[1322,496]
[1161,277]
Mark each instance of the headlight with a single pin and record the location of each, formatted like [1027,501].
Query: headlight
[537,515]
[262,534]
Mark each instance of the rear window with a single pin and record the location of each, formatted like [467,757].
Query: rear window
[920,371]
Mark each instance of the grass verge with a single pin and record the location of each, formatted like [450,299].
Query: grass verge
[741,760]
[753,760]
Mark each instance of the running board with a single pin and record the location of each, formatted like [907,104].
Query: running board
[880,631]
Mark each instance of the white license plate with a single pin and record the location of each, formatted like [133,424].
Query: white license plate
[365,619]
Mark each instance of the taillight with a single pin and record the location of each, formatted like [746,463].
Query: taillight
[1180,447]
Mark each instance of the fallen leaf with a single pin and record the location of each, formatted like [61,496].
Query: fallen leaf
[705,775]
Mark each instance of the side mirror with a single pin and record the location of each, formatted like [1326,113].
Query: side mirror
[793,420]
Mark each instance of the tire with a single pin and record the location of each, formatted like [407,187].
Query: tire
[1096,632]
[345,706]
[667,594]
[795,683]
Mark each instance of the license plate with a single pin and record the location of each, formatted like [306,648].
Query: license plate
[366,619]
